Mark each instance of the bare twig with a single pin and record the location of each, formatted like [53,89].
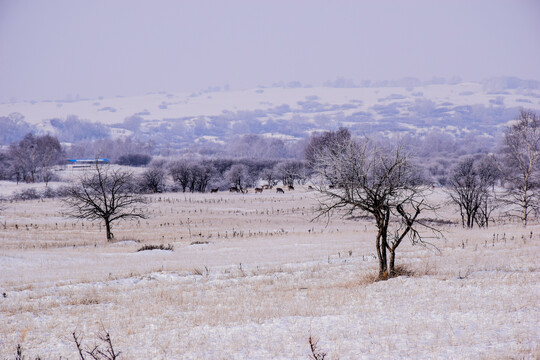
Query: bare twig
[97,353]
[78,341]
[316,353]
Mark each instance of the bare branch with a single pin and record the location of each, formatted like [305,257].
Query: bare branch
[360,176]
[104,195]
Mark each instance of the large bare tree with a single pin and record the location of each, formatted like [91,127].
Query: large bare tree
[104,194]
[363,177]
[521,159]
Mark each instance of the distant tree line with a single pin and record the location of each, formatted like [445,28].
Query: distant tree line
[203,175]
[471,169]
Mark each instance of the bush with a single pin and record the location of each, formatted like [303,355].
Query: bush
[27,194]
[49,193]
[33,194]
[168,247]
[134,160]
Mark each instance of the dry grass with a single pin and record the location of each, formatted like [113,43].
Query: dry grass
[250,276]
[150,247]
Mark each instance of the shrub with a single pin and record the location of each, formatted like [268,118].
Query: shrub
[168,247]
[134,160]
[27,194]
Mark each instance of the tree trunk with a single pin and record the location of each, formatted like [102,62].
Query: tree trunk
[382,225]
[391,271]
[381,254]
[110,235]
[524,207]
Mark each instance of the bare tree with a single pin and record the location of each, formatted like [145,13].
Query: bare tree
[464,190]
[489,175]
[106,195]
[33,156]
[192,176]
[181,173]
[270,176]
[238,176]
[202,175]
[153,179]
[471,187]
[521,160]
[291,171]
[5,164]
[325,142]
[13,128]
[378,181]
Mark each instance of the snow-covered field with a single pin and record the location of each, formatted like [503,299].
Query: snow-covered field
[251,277]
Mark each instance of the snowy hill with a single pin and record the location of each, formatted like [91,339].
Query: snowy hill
[288,112]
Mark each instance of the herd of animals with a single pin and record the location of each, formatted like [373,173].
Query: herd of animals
[257,189]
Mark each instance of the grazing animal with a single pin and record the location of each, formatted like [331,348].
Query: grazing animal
[214,190]
[331,186]
[310,187]
[233,189]
[280,190]
[258,190]
[291,187]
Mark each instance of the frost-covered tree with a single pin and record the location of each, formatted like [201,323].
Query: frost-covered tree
[470,187]
[291,171]
[73,129]
[32,157]
[181,173]
[376,180]
[521,163]
[13,128]
[203,174]
[153,179]
[192,176]
[270,176]
[238,176]
[4,166]
[325,142]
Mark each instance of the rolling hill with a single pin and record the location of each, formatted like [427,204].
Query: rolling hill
[286,112]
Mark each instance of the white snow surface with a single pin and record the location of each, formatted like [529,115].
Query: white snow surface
[260,295]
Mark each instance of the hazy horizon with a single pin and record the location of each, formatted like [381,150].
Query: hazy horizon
[59,49]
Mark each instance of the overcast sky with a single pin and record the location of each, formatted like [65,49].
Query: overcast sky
[55,48]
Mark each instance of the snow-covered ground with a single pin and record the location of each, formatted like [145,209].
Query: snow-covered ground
[251,277]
